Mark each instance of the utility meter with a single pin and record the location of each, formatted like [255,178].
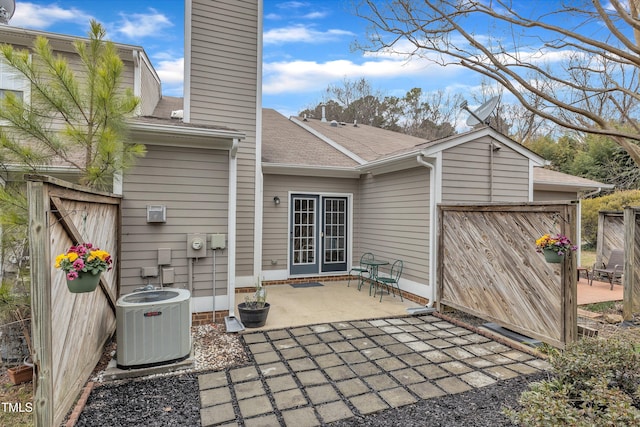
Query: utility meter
[196,245]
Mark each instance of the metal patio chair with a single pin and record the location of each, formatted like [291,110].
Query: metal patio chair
[361,269]
[613,269]
[393,279]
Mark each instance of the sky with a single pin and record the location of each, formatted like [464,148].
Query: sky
[307,47]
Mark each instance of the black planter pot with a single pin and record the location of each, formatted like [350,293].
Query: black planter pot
[253,317]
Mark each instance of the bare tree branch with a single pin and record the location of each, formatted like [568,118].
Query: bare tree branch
[574,64]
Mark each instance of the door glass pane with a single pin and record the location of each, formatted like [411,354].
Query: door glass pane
[334,231]
[304,231]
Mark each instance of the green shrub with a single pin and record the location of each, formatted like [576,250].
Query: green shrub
[596,382]
[612,202]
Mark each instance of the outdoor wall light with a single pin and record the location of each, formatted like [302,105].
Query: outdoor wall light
[276,200]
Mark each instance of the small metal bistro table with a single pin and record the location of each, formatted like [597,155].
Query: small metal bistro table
[374,264]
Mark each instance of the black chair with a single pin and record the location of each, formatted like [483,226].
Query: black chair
[613,269]
[361,269]
[393,279]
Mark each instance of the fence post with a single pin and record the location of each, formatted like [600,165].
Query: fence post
[569,276]
[629,276]
[40,256]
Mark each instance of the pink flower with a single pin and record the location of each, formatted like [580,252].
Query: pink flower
[72,275]
[78,264]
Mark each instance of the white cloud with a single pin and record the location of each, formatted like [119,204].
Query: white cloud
[171,71]
[37,16]
[292,5]
[309,76]
[302,34]
[140,25]
[315,15]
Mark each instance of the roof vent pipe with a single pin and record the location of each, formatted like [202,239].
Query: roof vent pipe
[324,114]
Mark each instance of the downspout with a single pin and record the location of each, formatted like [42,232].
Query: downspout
[490,172]
[593,193]
[259,178]
[432,227]
[231,221]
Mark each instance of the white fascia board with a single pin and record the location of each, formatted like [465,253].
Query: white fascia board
[329,141]
[568,187]
[182,136]
[15,167]
[60,42]
[303,170]
[391,164]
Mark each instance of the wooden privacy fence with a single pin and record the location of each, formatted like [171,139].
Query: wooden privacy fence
[488,266]
[610,234]
[621,229]
[631,279]
[69,330]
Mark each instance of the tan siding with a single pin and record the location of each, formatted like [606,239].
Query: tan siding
[151,90]
[466,174]
[194,189]
[224,92]
[393,220]
[544,196]
[275,220]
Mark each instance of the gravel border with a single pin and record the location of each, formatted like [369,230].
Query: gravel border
[475,408]
[174,399]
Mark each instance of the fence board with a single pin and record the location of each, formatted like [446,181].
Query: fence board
[631,277]
[611,232]
[488,266]
[72,329]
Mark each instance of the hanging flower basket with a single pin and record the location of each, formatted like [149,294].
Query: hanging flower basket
[83,265]
[554,248]
[85,282]
[552,257]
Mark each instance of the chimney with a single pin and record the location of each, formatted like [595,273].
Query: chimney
[324,114]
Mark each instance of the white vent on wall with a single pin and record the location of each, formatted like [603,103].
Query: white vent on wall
[177,114]
[156,213]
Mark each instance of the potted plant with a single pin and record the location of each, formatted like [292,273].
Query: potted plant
[255,308]
[83,265]
[554,247]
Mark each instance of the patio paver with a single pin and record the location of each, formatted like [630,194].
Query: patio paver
[308,376]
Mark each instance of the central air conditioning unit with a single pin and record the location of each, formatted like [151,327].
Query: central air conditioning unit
[153,328]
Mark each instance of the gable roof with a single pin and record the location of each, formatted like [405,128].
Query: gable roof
[287,143]
[547,179]
[363,141]
[312,147]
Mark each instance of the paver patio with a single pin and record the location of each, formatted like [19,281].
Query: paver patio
[335,371]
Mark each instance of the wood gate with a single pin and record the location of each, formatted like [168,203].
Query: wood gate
[488,266]
[69,330]
[610,234]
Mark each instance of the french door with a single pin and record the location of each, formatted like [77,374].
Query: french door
[318,234]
